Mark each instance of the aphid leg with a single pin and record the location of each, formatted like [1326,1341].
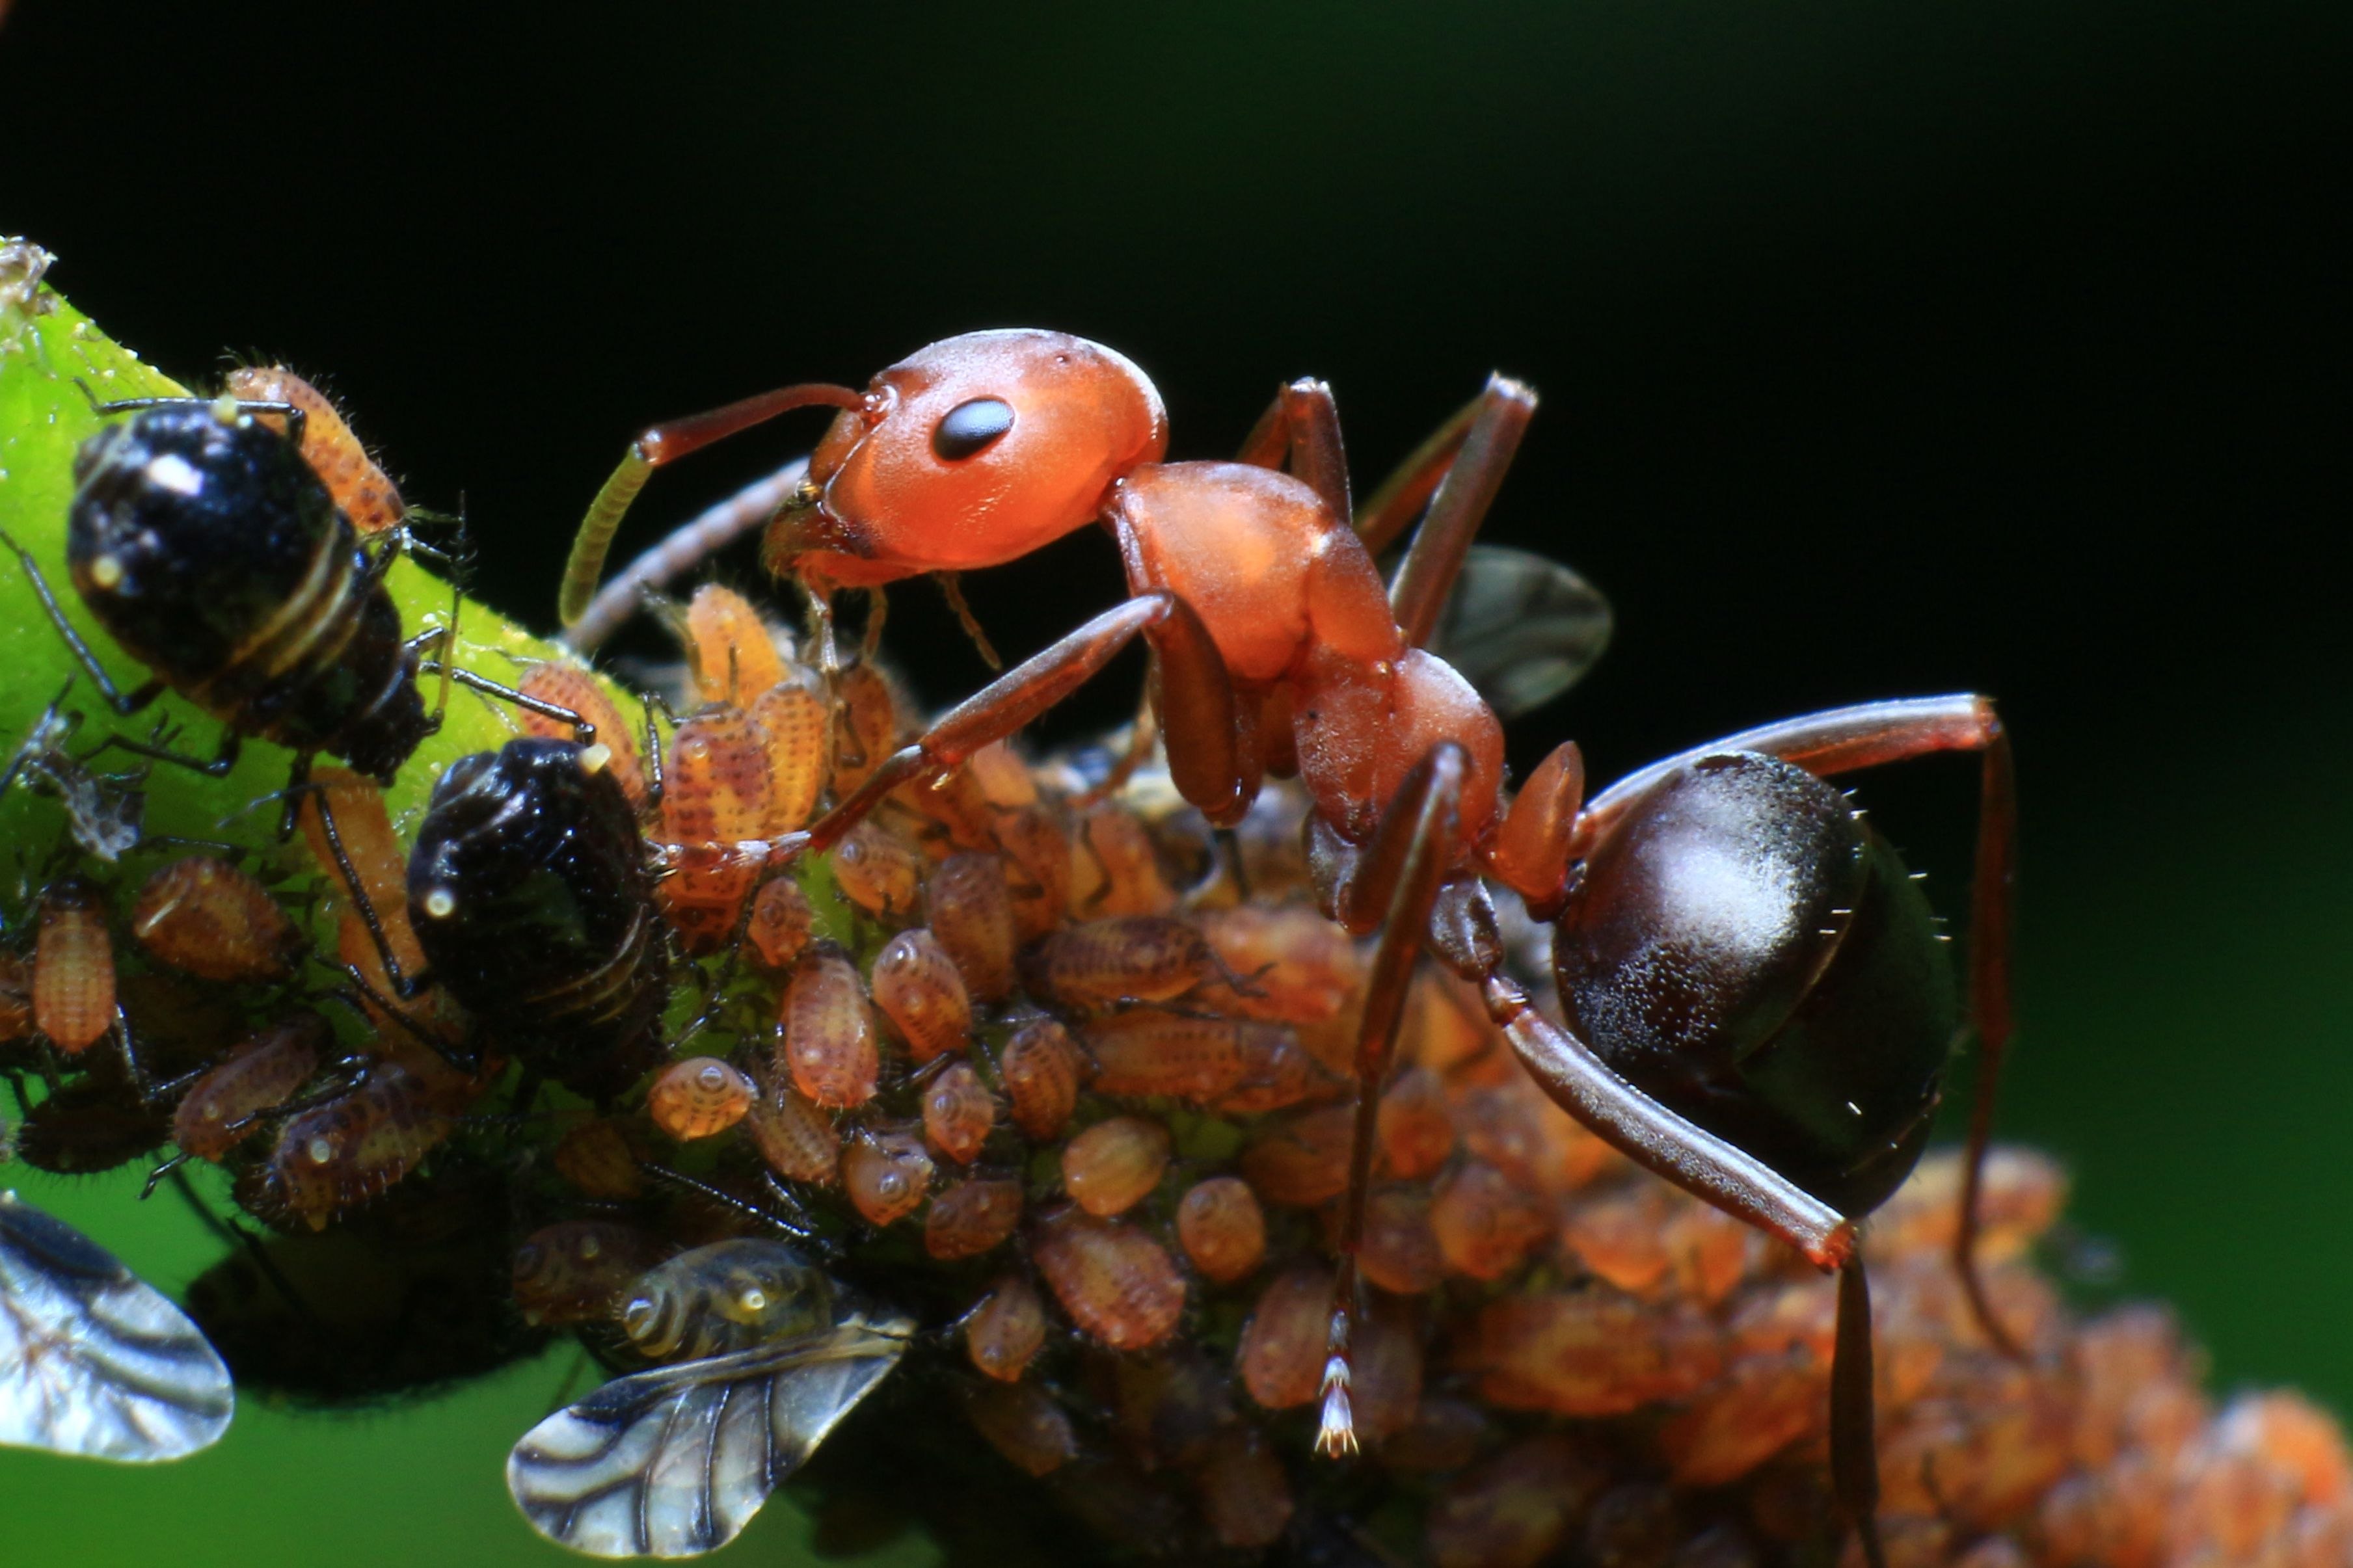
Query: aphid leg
[447,1051]
[445,665]
[727,1200]
[1300,431]
[295,417]
[155,1177]
[404,986]
[1855,1454]
[1142,736]
[1845,739]
[123,703]
[1395,885]
[652,754]
[1434,559]
[654,448]
[878,611]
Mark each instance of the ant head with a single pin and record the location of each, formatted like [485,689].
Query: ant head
[972,452]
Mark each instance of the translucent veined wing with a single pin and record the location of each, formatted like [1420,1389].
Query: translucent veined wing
[1520,628]
[675,1461]
[93,1361]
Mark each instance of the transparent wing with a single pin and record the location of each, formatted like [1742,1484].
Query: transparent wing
[93,1361]
[1520,628]
[675,1461]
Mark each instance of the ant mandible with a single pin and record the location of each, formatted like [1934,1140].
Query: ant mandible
[1756,978]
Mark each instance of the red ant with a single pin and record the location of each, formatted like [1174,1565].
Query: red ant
[1765,1010]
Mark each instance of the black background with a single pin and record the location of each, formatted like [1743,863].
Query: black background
[1884,349]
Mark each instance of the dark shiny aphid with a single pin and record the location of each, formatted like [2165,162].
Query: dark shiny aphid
[529,893]
[91,1126]
[216,556]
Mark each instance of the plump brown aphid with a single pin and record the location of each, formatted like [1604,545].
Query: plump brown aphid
[780,925]
[879,871]
[1301,1161]
[580,1270]
[352,1147]
[1485,1224]
[1021,1422]
[955,810]
[1222,1228]
[792,720]
[1114,871]
[920,990]
[1039,1068]
[1516,1508]
[971,910]
[886,1174]
[1123,958]
[569,685]
[15,997]
[971,1217]
[225,1105]
[958,1112]
[362,490]
[1415,1130]
[797,1139]
[1300,967]
[731,655]
[1245,1494]
[1278,1072]
[204,917]
[1146,1052]
[73,967]
[829,1045]
[1006,1330]
[868,728]
[1116,1282]
[1113,1165]
[1399,1251]
[596,1157]
[1588,1353]
[699,1098]
[1280,1357]
[714,793]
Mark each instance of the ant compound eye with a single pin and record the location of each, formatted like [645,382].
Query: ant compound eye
[970,427]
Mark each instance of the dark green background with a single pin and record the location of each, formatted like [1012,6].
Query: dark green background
[1886,348]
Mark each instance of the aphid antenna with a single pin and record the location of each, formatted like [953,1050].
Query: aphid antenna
[406,986]
[444,1049]
[752,1211]
[297,420]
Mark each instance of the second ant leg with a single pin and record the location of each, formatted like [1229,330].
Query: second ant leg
[1855,1450]
[1473,475]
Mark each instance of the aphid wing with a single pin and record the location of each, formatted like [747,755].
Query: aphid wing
[1520,628]
[93,1361]
[674,1462]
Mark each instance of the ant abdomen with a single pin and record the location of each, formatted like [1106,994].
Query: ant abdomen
[1744,948]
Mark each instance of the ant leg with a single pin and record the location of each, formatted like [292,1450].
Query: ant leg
[1300,431]
[1868,735]
[124,704]
[1396,879]
[1854,1451]
[1382,521]
[692,543]
[665,444]
[1473,475]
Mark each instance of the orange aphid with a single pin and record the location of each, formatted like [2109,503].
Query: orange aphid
[1114,869]
[1446,1025]
[792,721]
[1416,1133]
[1039,1068]
[920,990]
[379,861]
[577,1271]
[2021,1195]
[730,653]
[1280,1357]
[361,490]
[1622,1238]
[1116,1282]
[1299,966]
[1113,1165]
[971,910]
[596,1158]
[886,1174]
[222,1107]
[1006,1330]
[73,967]
[1514,1510]
[1021,1422]
[1737,1424]
[1512,1127]
[714,793]
[355,1145]
[782,920]
[1385,1384]
[699,1098]
[798,1141]
[953,804]
[971,1218]
[1485,1224]
[1004,780]
[1400,1252]
[828,1044]
[1123,958]
[867,728]
[1222,1228]
[1040,853]
[958,1112]
[1301,1161]
[1589,1353]
[1278,1072]
[879,871]
[204,917]
[15,997]
[1145,1051]
[569,685]
[1245,1494]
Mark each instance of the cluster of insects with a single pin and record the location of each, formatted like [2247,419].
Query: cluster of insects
[1251,1132]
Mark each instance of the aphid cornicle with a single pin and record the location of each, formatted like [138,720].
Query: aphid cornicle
[529,890]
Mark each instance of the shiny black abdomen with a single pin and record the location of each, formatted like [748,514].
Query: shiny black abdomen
[215,556]
[1747,950]
[529,893]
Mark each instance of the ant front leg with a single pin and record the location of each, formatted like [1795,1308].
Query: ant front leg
[1300,432]
[1868,735]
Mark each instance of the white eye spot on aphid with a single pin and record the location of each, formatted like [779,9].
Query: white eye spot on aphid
[175,473]
[439,904]
[753,1299]
[106,571]
[597,758]
[320,1151]
[712,1077]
